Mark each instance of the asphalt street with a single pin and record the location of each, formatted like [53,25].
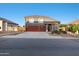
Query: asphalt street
[38,46]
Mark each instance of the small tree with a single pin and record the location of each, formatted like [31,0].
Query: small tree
[74,28]
[63,27]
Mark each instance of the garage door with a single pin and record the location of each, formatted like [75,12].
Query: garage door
[35,28]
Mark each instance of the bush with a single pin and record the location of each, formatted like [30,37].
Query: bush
[56,32]
[74,28]
[64,32]
[59,32]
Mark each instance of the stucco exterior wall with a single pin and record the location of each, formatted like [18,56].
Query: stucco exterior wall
[1,25]
[31,20]
[6,24]
[15,28]
[12,27]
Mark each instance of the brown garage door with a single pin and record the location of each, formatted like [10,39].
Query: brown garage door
[36,28]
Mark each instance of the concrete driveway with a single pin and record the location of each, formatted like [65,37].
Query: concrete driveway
[40,35]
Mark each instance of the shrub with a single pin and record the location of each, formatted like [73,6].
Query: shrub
[64,32]
[56,32]
[74,28]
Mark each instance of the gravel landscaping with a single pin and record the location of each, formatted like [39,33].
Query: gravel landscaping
[64,35]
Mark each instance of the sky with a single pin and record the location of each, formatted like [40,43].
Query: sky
[63,12]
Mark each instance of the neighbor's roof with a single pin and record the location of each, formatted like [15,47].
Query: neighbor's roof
[8,21]
[75,22]
[46,18]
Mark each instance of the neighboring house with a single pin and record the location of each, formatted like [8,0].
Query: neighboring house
[7,25]
[74,26]
[75,22]
[41,23]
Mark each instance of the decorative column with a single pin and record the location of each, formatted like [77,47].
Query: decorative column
[55,27]
[52,27]
[6,26]
[46,27]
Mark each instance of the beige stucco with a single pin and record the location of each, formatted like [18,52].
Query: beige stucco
[50,23]
[40,19]
[12,27]
[4,26]
[1,22]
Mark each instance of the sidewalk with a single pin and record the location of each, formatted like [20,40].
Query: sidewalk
[37,35]
[9,33]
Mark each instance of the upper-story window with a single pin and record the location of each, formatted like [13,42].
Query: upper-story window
[27,21]
[35,21]
[0,27]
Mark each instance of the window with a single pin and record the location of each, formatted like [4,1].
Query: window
[45,22]
[0,27]
[35,21]
[27,21]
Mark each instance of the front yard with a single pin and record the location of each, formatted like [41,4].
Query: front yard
[72,31]
[67,30]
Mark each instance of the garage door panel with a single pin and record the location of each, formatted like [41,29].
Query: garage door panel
[35,28]
[32,28]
